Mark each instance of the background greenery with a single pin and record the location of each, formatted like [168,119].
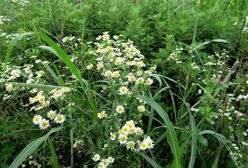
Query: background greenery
[157,28]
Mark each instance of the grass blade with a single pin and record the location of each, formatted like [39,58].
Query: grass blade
[173,141]
[31,147]
[151,161]
[54,158]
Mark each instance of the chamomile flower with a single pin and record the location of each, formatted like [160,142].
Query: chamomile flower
[118,61]
[9,87]
[139,73]
[125,129]
[44,124]
[130,124]
[96,157]
[59,118]
[143,146]
[101,165]
[37,119]
[40,74]
[90,66]
[120,109]
[16,72]
[123,90]
[140,80]
[141,108]
[116,74]
[112,136]
[111,159]
[122,138]
[51,114]
[130,145]
[108,74]
[149,81]
[99,65]
[105,162]
[131,78]
[57,94]
[102,115]
[139,131]
[65,89]
[149,142]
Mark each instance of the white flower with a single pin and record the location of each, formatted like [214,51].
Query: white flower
[108,73]
[120,109]
[149,81]
[139,131]
[116,74]
[51,114]
[102,115]
[140,80]
[9,87]
[65,89]
[123,90]
[111,159]
[143,146]
[16,72]
[122,138]
[37,119]
[90,66]
[130,145]
[96,157]
[112,136]
[44,124]
[141,108]
[149,142]
[59,118]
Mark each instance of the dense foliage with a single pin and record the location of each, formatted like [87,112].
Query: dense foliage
[123,83]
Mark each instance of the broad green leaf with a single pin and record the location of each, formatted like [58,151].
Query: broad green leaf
[54,158]
[31,147]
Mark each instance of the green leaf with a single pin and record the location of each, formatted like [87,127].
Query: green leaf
[216,160]
[151,161]
[55,49]
[40,86]
[54,158]
[173,141]
[31,147]
[11,46]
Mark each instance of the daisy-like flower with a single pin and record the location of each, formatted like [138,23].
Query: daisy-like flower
[125,129]
[139,131]
[90,66]
[57,94]
[45,103]
[111,159]
[116,74]
[37,119]
[65,89]
[139,73]
[122,138]
[44,124]
[99,65]
[141,108]
[120,109]
[40,74]
[101,165]
[143,146]
[131,78]
[51,114]
[130,145]
[141,64]
[112,136]
[123,90]
[118,61]
[140,80]
[96,157]
[105,162]
[108,74]
[16,72]
[59,118]
[9,87]
[149,142]
[130,124]
[149,81]
[102,115]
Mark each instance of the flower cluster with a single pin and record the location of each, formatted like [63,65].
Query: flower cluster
[122,65]
[103,162]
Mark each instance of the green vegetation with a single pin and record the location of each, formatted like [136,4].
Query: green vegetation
[123,83]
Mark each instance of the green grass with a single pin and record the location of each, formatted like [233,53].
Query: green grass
[195,110]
